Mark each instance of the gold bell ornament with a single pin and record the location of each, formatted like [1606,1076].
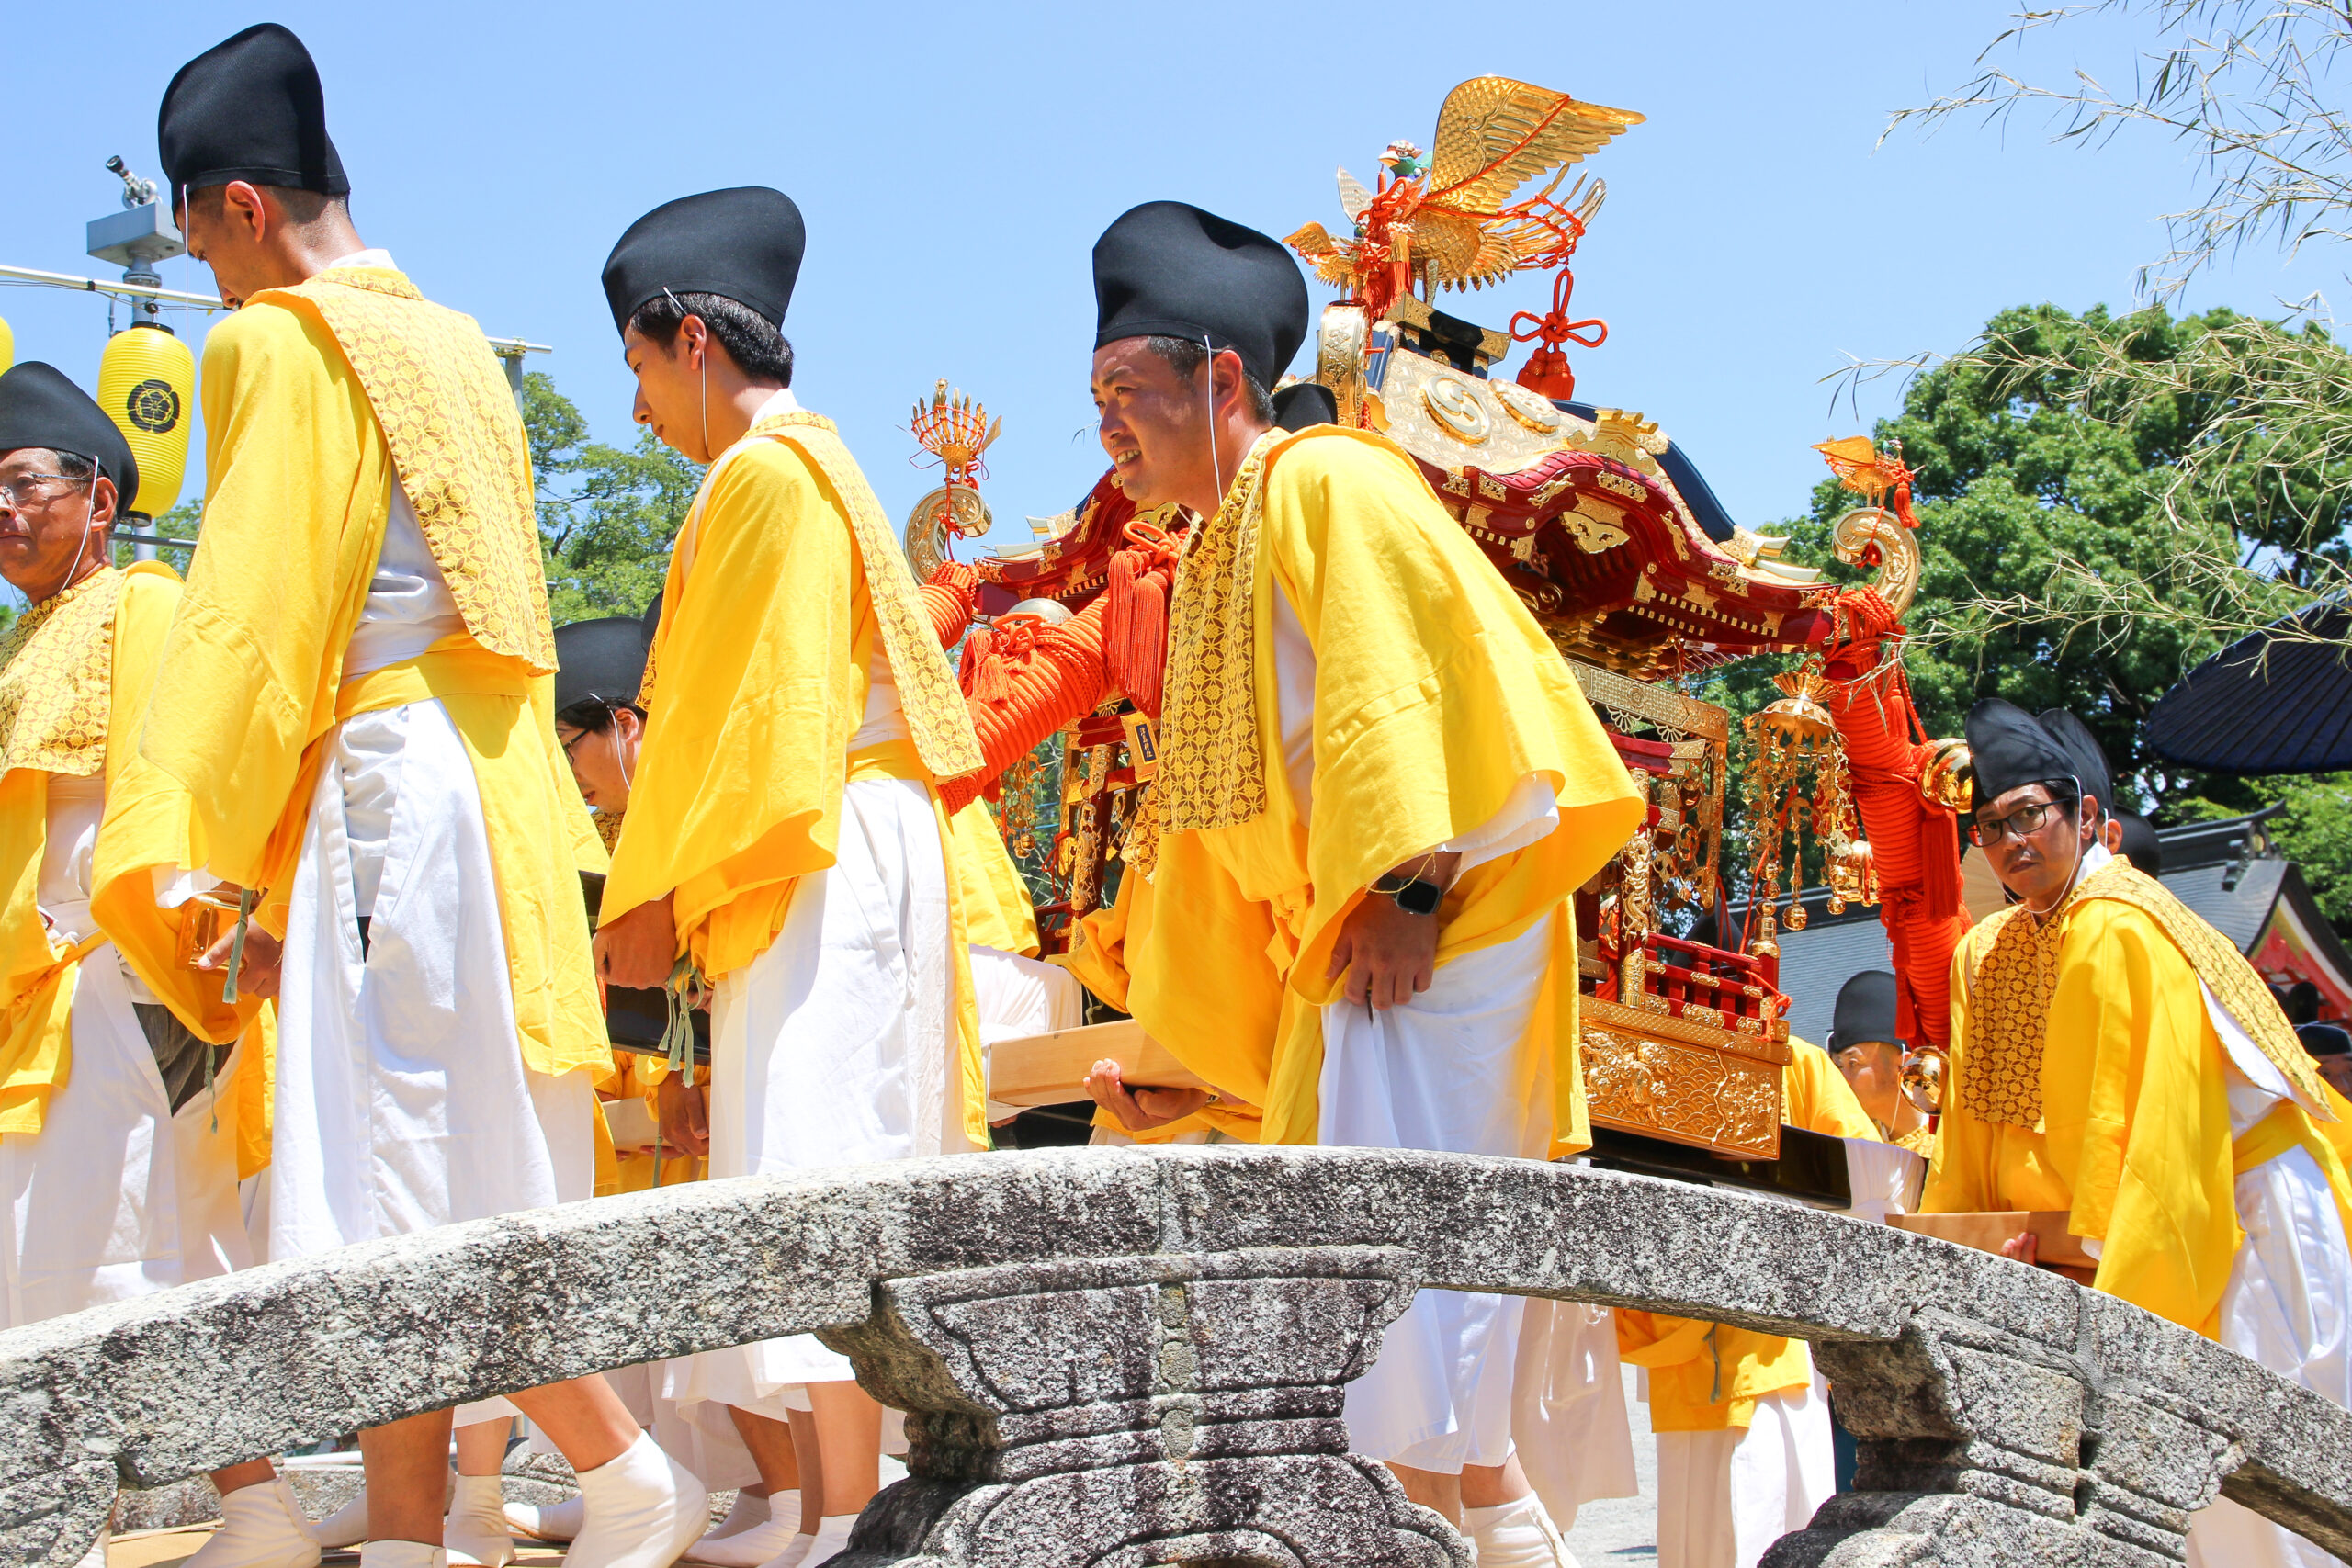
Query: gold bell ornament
[1791,742]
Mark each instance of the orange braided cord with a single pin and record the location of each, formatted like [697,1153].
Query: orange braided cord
[1023,681]
[950,597]
[1134,623]
[1915,847]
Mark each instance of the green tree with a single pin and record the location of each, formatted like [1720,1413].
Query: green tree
[2253,89]
[2025,475]
[606,515]
[179,523]
[2014,477]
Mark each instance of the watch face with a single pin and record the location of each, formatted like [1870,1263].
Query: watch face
[1419,898]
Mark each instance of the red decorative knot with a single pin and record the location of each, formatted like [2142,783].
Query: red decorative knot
[1547,370]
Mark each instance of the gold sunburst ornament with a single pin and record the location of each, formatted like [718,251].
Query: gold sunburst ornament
[954,429]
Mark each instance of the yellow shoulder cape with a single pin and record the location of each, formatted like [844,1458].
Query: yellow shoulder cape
[1435,694]
[299,490]
[37,972]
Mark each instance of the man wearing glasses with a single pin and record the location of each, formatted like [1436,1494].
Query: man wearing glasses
[118,1078]
[2115,1057]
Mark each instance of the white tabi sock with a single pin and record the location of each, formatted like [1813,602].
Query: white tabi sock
[401,1554]
[829,1541]
[556,1521]
[750,1548]
[261,1527]
[347,1526]
[475,1532]
[1517,1535]
[643,1510]
[753,1509]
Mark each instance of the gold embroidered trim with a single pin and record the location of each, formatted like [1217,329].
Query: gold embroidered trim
[608,827]
[933,703]
[2009,1018]
[459,445]
[1212,771]
[2008,1009]
[57,680]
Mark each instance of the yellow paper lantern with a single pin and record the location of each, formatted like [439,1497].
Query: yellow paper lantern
[7,348]
[147,385]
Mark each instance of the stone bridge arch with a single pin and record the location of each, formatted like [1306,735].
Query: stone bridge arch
[1113,1358]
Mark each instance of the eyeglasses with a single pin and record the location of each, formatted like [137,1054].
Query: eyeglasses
[2023,823]
[32,489]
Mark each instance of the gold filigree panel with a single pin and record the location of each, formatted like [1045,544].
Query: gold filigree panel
[1683,1093]
[1450,418]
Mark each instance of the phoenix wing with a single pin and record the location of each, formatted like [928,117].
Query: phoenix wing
[1495,134]
[1446,243]
[1334,265]
[1353,198]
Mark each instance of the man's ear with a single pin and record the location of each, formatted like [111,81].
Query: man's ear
[1225,374]
[103,500]
[245,208]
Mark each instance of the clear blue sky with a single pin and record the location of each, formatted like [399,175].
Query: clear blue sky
[955,165]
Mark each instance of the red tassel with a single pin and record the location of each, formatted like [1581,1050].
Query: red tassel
[1118,612]
[1147,646]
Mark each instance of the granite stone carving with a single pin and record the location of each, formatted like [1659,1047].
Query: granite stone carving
[1119,1358]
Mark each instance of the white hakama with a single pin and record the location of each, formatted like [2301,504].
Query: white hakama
[2287,1299]
[2285,1306]
[1726,1497]
[833,1047]
[1444,1072]
[403,1102]
[115,1196]
[1568,1417]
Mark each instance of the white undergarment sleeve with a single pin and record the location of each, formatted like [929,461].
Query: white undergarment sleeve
[77,805]
[1017,997]
[409,607]
[1529,813]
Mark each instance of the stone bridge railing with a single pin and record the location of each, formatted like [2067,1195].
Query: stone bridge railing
[1116,1358]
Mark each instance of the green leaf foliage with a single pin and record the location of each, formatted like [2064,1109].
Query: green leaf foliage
[2064,566]
[607,515]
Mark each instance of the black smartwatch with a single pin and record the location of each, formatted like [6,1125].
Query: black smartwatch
[1419,898]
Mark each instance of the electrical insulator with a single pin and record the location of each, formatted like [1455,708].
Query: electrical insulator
[147,385]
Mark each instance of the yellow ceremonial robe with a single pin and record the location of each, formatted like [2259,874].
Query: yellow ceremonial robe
[1705,1377]
[1435,694]
[300,388]
[38,971]
[996,911]
[756,681]
[2134,1136]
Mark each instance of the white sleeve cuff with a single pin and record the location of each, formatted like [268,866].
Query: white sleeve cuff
[1530,813]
